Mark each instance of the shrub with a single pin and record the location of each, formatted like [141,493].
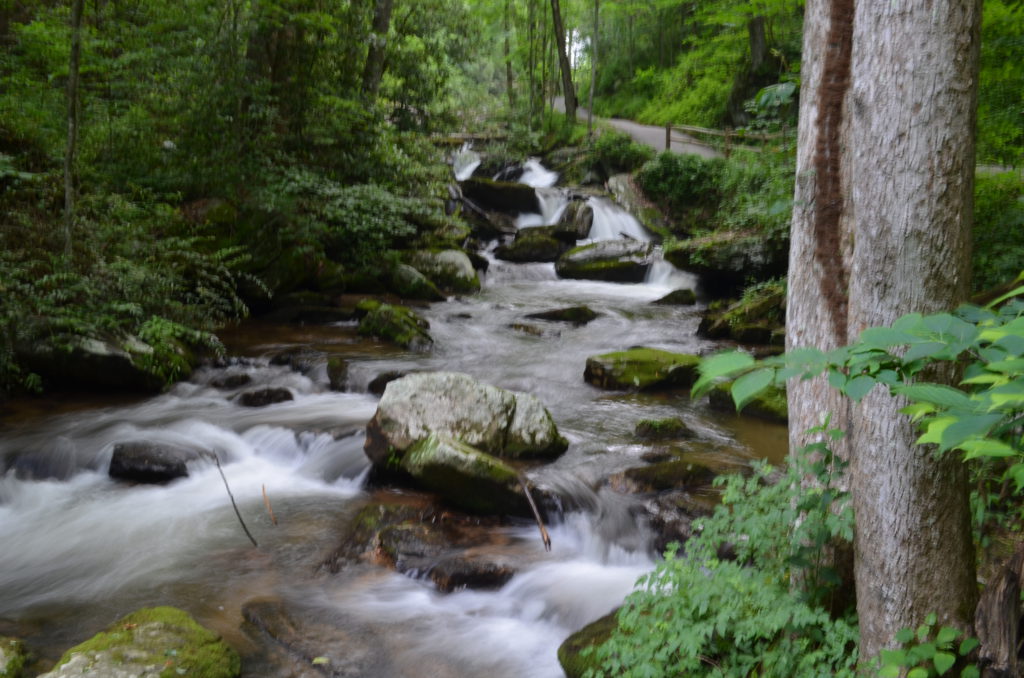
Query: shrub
[998,229]
[615,151]
[678,183]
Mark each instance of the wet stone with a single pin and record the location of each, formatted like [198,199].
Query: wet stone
[147,462]
[264,397]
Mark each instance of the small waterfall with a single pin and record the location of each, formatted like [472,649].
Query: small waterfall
[664,274]
[536,175]
[465,162]
[611,222]
[553,202]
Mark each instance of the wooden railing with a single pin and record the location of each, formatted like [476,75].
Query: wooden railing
[729,137]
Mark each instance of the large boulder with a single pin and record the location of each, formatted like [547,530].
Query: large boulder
[612,260]
[575,222]
[574,661]
[141,461]
[769,404]
[465,477]
[448,269]
[151,643]
[455,405]
[727,259]
[533,244]
[759,317]
[577,315]
[409,283]
[396,324]
[642,369]
[501,196]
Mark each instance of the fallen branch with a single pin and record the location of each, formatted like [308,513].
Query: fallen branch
[233,504]
[266,502]
[536,514]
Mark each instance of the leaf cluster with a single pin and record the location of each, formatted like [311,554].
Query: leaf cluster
[929,651]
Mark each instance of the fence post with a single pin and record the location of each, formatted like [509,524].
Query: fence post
[668,137]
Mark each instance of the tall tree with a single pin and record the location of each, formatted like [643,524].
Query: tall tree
[593,67]
[374,68]
[72,142]
[568,90]
[509,84]
[884,206]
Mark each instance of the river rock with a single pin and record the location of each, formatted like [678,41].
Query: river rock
[409,283]
[151,643]
[229,382]
[577,315]
[672,428]
[448,269]
[570,653]
[533,245]
[455,405]
[264,396]
[665,475]
[465,477]
[642,369]
[770,404]
[727,259]
[757,318]
[611,260]
[147,462]
[575,222]
[337,373]
[13,657]
[501,196]
[102,364]
[681,297]
[397,324]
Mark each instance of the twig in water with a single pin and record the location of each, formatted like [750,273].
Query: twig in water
[266,502]
[536,514]
[233,504]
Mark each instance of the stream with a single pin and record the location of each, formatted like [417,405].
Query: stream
[78,550]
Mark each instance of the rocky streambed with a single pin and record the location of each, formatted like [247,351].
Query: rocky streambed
[382,480]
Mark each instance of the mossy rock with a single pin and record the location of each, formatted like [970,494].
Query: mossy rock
[501,196]
[642,369]
[532,245]
[13,657]
[162,642]
[465,477]
[337,373]
[770,404]
[609,260]
[666,475]
[726,259]
[570,652]
[757,318]
[577,315]
[397,324]
[409,283]
[448,269]
[671,428]
[680,297]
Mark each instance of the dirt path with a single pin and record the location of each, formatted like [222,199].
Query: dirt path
[649,135]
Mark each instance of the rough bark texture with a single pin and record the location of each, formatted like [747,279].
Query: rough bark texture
[997,620]
[568,90]
[880,229]
[593,69]
[911,111]
[509,82]
[374,68]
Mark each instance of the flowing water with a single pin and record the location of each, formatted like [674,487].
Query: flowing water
[78,550]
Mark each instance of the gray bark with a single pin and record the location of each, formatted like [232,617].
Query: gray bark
[509,88]
[881,228]
[568,90]
[373,70]
[912,108]
[72,141]
[593,69]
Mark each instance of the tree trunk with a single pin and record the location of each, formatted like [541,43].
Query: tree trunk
[568,91]
[531,59]
[373,71]
[913,99]
[593,70]
[72,145]
[881,222]
[508,57]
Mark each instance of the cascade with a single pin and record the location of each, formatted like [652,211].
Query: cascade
[465,162]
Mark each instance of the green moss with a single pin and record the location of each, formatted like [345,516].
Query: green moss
[662,429]
[770,404]
[13,657]
[396,324]
[165,636]
[670,475]
[570,656]
[642,369]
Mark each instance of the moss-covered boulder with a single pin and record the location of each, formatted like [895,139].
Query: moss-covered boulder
[464,476]
[758,317]
[13,657]
[575,221]
[533,244]
[642,369]
[671,428]
[397,324]
[455,405]
[665,475]
[770,404]
[448,269]
[610,260]
[628,194]
[727,259]
[157,642]
[570,652]
[681,297]
[500,196]
[577,315]
[409,283]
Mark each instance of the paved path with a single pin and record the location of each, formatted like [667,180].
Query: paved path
[649,135]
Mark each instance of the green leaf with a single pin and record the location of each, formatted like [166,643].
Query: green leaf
[946,635]
[890,670]
[926,349]
[904,635]
[934,429]
[966,427]
[943,661]
[968,645]
[747,387]
[720,365]
[970,672]
[917,673]
[858,387]
[886,336]
[321,660]
[895,658]
[937,394]
[984,447]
